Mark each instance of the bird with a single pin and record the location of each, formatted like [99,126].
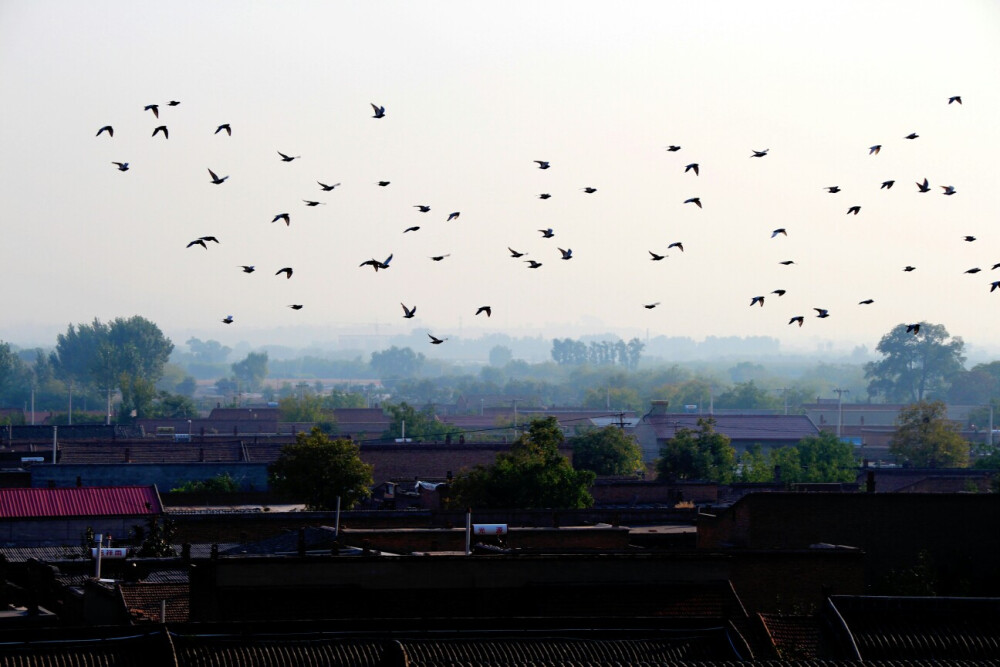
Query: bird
[327,188]
[200,242]
[542,164]
[382,184]
[866,302]
[854,209]
[676,244]
[798,318]
[692,167]
[886,185]
[532,264]
[411,229]
[970,239]
[787,262]
[423,208]
[908,268]
[228,319]
[155,108]
[107,128]
[288,158]
[224,126]
[375,264]
[873,150]
[654,257]
[379,111]
[975,269]
[408,313]
[515,254]
[122,166]
[295,306]
[209,238]
[757,300]
[589,190]
[247,268]
[948,189]
[215,179]
[163,129]
[822,312]
[172,103]
[435,340]
[779,292]
[650,306]
[911,135]
[995,285]
[913,328]
[287,271]
[283,216]
[673,149]
[779,230]
[485,309]
[566,254]
[995,266]
[924,187]
[313,203]
[438,258]
[955,98]
[757,153]
[547,233]
[453,216]
[693,200]
[544,195]
[833,189]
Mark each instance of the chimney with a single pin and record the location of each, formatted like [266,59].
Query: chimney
[658,407]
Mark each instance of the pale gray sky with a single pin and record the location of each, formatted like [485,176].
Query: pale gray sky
[474,93]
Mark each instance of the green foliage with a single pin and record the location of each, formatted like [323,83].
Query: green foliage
[569,352]
[747,396]
[156,539]
[606,451]
[702,454]
[396,362]
[419,424]
[251,371]
[532,475]
[925,438]
[617,398]
[918,580]
[223,483]
[316,470]
[500,355]
[825,458]
[15,376]
[917,366]
[208,351]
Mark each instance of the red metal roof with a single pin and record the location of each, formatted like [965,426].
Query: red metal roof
[79,501]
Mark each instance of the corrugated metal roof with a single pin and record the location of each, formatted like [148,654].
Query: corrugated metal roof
[737,427]
[79,501]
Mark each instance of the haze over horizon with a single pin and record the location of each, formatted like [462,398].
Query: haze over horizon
[473,98]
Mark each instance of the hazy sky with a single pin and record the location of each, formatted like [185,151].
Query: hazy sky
[475,92]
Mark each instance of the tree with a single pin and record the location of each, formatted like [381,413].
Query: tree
[701,454]
[500,355]
[746,396]
[606,451]
[208,351]
[156,539]
[826,458]
[926,438]
[396,362]
[222,483]
[251,371]
[15,377]
[318,470]
[418,424]
[916,366]
[532,475]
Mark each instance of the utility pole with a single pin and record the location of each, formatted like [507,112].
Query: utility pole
[840,408]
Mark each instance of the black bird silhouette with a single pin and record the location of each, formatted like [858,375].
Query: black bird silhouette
[798,318]
[375,264]
[155,108]
[787,262]
[854,209]
[566,254]
[589,190]
[287,271]
[970,239]
[779,230]
[215,179]
[224,126]
[411,229]
[909,268]
[515,254]
[163,129]
[283,216]
[948,189]
[822,312]
[974,269]
[379,111]
[172,103]
[924,187]
[382,184]
[995,266]
[955,98]
[327,188]
[779,292]
[295,306]
[887,185]
[693,200]
[200,242]
[435,340]
[757,300]
[692,167]
[532,264]
[911,135]
[228,319]
[544,195]
[547,233]
[210,238]
[453,216]
[107,128]
[247,268]
[866,302]
[438,258]
[542,164]
[833,189]
[650,306]
[122,166]
[995,285]
[485,309]
[676,244]
[655,257]
[913,328]
[423,208]
[873,150]
[312,203]
[673,149]
[757,153]
[408,313]
[288,158]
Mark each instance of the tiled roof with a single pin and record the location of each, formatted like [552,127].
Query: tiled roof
[143,602]
[794,637]
[79,501]
[738,427]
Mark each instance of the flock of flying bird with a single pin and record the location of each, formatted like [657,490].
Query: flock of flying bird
[565,254]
